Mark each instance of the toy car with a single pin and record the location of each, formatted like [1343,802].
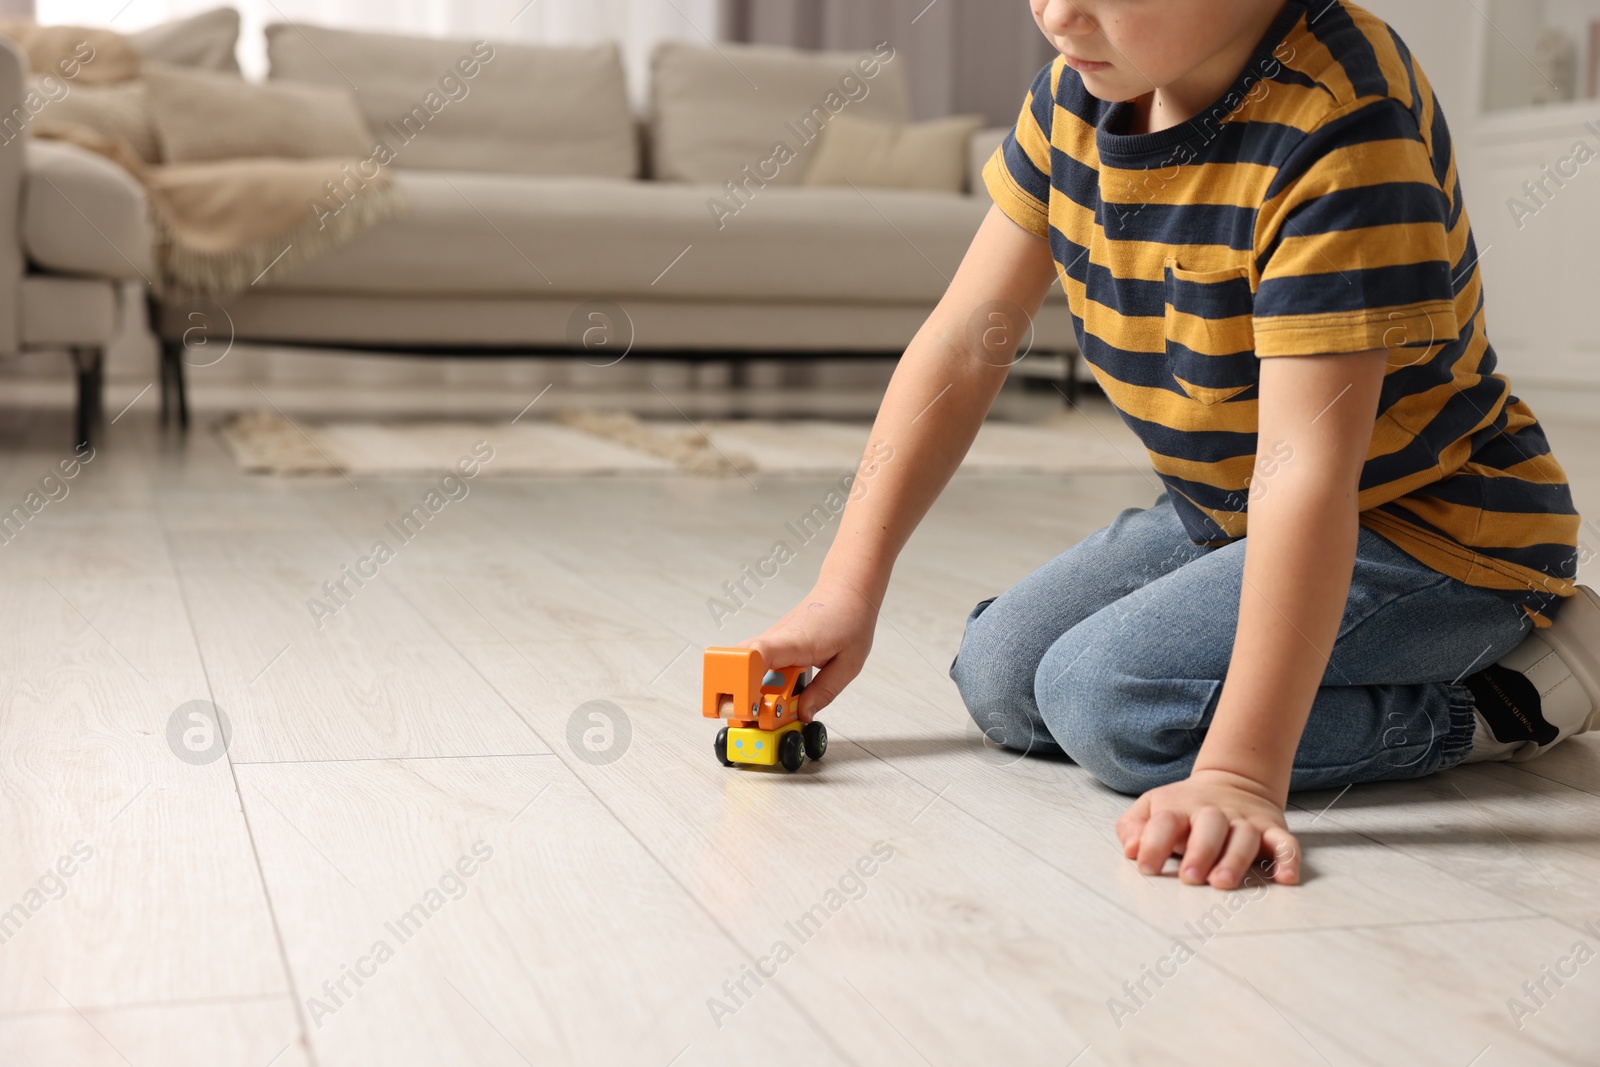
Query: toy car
[762,709]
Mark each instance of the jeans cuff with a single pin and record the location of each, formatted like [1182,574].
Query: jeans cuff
[1457,743]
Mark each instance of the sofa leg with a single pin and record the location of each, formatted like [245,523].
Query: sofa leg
[166,386]
[1070,382]
[174,396]
[91,380]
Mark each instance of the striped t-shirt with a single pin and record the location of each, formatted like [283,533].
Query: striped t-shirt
[1314,209]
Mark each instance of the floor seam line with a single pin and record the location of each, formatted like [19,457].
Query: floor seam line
[304,1032]
[393,759]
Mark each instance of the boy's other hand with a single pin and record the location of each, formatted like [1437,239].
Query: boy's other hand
[830,629]
[1221,823]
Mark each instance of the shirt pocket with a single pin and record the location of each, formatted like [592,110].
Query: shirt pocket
[1210,332]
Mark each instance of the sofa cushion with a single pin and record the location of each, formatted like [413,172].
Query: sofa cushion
[207,41]
[83,214]
[498,235]
[509,108]
[121,112]
[202,116]
[716,111]
[924,155]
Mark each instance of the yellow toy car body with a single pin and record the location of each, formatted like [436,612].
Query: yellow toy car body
[760,747]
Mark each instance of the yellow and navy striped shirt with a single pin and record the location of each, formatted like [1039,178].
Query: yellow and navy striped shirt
[1314,209]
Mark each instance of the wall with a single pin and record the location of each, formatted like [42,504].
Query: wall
[1537,268]
[1442,35]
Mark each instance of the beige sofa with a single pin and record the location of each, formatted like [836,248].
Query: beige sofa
[46,311]
[531,226]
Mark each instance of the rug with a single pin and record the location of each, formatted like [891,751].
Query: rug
[591,443]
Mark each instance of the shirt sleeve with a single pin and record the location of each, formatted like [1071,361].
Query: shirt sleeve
[1018,174]
[1353,241]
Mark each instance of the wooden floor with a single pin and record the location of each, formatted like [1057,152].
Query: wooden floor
[473,816]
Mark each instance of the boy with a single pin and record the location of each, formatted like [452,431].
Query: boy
[1253,207]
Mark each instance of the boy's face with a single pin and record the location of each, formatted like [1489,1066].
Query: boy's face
[1125,48]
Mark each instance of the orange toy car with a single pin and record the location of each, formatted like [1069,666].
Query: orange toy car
[762,710]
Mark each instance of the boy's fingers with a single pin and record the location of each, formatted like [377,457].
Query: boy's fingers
[814,699]
[1244,845]
[1160,837]
[1131,825]
[1207,832]
[828,683]
[780,650]
[1285,849]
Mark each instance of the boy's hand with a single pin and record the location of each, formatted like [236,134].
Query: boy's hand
[1220,822]
[831,629]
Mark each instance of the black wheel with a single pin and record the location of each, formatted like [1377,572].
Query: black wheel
[721,745]
[816,736]
[791,751]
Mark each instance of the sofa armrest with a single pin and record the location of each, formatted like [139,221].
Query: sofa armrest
[83,214]
[13,120]
[979,149]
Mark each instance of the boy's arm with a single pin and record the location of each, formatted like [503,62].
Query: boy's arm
[1299,557]
[942,388]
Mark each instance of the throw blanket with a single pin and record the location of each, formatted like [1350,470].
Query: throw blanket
[220,225]
[89,55]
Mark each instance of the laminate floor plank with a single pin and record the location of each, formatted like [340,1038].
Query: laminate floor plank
[467,564]
[126,872]
[1573,765]
[492,911]
[1497,827]
[364,677]
[74,539]
[254,1033]
[1442,993]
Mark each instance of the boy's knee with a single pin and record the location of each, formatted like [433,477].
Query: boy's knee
[993,691]
[1091,709]
[981,652]
[994,687]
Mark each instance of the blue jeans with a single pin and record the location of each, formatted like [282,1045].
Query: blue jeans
[1114,652]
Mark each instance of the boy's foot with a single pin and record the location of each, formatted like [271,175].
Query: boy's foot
[1543,691]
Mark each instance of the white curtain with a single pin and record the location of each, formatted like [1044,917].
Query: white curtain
[636,24]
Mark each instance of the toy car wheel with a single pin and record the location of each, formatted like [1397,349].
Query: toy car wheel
[721,746]
[791,751]
[816,736]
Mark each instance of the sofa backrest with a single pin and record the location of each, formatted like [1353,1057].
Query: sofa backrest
[716,111]
[475,106]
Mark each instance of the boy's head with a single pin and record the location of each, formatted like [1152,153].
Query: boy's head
[1124,49]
